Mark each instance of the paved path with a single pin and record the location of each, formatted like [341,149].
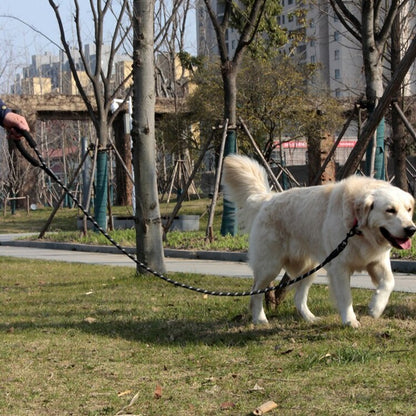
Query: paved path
[404,282]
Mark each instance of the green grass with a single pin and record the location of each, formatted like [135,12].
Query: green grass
[64,229]
[86,340]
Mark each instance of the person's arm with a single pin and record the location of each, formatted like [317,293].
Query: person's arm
[10,121]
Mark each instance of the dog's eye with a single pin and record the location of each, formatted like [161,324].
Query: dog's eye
[391,210]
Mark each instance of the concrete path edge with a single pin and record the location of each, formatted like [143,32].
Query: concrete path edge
[400,266]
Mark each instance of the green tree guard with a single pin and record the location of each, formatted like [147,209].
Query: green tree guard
[100,200]
[228,222]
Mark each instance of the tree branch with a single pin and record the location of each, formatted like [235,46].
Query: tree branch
[72,63]
[348,20]
[219,32]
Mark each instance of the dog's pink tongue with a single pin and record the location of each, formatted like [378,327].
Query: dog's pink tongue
[405,244]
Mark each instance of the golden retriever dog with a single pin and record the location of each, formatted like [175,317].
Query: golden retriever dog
[295,230]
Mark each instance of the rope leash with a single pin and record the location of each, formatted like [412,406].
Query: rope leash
[282,285]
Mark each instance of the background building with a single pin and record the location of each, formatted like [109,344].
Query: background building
[327,43]
[50,73]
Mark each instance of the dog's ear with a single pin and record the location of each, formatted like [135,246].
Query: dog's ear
[356,210]
[362,208]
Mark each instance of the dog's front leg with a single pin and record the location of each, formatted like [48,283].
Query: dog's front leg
[383,278]
[340,287]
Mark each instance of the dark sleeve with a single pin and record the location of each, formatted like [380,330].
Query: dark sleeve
[3,111]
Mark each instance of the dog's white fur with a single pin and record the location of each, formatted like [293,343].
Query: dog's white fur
[297,229]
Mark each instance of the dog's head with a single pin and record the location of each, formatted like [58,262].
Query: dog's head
[383,213]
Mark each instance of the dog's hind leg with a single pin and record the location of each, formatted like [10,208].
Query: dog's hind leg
[301,299]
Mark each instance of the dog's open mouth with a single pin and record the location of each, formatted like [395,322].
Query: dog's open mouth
[400,243]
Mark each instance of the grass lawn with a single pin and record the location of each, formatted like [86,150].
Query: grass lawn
[64,229]
[90,340]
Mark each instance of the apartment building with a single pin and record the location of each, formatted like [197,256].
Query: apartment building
[49,73]
[327,43]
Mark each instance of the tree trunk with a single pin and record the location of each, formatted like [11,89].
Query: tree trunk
[373,68]
[328,175]
[318,149]
[148,222]
[124,186]
[398,130]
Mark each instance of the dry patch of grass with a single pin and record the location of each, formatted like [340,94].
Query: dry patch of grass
[90,340]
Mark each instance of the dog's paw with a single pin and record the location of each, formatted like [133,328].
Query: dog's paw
[310,317]
[353,323]
[374,311]
[260,321]
[315,319]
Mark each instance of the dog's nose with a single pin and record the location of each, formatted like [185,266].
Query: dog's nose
[410,230]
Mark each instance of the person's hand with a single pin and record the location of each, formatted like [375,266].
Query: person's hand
[12,121]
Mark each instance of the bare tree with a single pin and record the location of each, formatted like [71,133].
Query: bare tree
[247,17]
[99,74]
[372,31]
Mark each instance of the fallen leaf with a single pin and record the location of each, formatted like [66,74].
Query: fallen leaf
[90,320]
[227,405]
[257,388]
[158,392]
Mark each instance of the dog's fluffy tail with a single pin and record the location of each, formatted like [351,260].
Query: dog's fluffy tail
[245,183]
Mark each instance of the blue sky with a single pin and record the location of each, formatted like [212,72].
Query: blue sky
[24,40]
[20,42]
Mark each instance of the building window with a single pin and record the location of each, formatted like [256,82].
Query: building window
[336,36]
[338,93]
[336,54]
[313,59]
[290,17]
[337,74]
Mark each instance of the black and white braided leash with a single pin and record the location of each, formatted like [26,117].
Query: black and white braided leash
[282,285]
